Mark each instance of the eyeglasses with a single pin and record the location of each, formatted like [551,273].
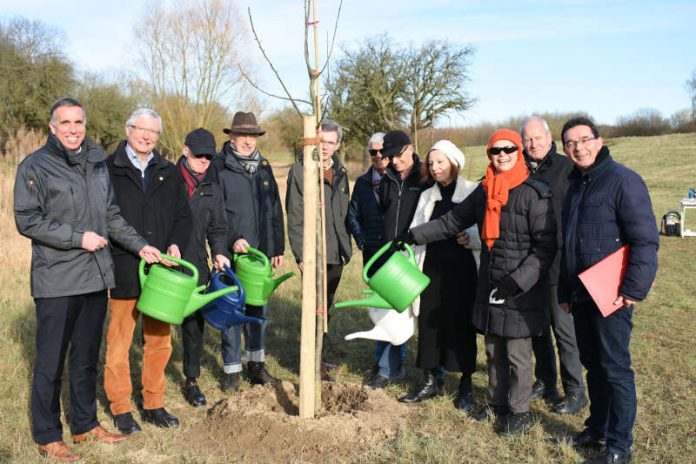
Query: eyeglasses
[570,144]
[495,151]
[144,130]
[374,152]
[206,156]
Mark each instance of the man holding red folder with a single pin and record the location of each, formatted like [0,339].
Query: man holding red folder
[607,206]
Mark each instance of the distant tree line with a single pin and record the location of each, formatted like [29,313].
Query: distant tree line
[194,79]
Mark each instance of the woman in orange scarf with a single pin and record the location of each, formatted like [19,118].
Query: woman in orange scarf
[514,215]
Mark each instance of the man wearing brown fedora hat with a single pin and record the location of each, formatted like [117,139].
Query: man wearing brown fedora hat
[254,218]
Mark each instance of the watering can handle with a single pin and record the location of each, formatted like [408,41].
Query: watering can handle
[241,294]
[254,251]
[141,267]
[380,252]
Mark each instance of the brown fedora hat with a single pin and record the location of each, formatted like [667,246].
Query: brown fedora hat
[244,123]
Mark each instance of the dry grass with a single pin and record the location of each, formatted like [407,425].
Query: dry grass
[662,343]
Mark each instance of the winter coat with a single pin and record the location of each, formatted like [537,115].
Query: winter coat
[161,213]
[209,222]
[55,202]
[424,212]
[398,199]
[252,204]
[364,219]
[336,198]
[554,170]
[606,207]
[524,251]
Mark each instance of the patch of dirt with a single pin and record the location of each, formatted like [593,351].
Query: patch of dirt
[261,425]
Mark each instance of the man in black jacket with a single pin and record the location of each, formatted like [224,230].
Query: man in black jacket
[545,164]
[153,201]
[607,206]
[63,202]
[208,212]
[399,192]
[254,218]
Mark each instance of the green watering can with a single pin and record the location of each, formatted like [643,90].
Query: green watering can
[255,273]
[170,295]
[395,284]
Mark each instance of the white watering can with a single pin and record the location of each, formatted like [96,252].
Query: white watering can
[390,326]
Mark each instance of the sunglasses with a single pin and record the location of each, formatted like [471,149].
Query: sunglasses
[208,157]
[493,151]
[374,152]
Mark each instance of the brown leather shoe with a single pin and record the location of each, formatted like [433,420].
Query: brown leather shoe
[99,433]
[58,451]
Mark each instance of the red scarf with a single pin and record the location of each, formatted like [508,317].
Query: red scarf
[497,185]
[190,179]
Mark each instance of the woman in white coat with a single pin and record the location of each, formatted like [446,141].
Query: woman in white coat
[446,336]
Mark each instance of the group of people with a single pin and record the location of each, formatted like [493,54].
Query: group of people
[502,255]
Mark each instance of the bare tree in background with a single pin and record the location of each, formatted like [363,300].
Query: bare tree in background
[436,80]
[691,87]
[191,51]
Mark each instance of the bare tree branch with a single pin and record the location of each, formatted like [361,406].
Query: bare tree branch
[270,63]
[333,39]
[280,97]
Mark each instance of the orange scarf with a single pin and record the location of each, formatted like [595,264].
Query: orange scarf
[498,185]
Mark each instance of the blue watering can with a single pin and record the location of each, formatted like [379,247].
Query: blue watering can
[224,312]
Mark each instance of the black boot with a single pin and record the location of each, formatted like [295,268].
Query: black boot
[465,399]
[193,394]
[257,375]
[515,424]
[428,389]
[230,382]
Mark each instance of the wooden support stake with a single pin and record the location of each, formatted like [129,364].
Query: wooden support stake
[309,295]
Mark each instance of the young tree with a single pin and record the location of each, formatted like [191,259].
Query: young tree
[191,52]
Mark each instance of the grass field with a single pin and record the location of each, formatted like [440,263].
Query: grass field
[662,358]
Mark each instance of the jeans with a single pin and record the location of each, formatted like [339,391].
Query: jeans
[254,341]
[389,358]
[604,351]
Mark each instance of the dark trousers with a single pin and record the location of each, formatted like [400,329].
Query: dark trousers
[333,278]
[192,340]
[604,351]
[568,353]
[509,372]
[75,321]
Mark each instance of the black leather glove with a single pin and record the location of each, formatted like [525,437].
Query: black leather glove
[404,238]
[506,288]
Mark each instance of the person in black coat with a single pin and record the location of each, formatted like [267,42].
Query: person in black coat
[515,216]
[546,164]
[209,222]
[153,201]
[607,206]
[254,218]
[364,219]
[399,191]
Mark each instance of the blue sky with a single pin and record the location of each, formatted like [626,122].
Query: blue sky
[607,58]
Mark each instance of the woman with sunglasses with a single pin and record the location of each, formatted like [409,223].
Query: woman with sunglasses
[446,336]
[515,217]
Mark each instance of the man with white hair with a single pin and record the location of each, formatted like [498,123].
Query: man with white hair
[546,164]
[153,200]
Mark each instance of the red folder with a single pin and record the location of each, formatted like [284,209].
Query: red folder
[603,280]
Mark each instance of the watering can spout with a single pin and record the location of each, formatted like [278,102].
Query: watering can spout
[281,279]
[198,300]
[373,301]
